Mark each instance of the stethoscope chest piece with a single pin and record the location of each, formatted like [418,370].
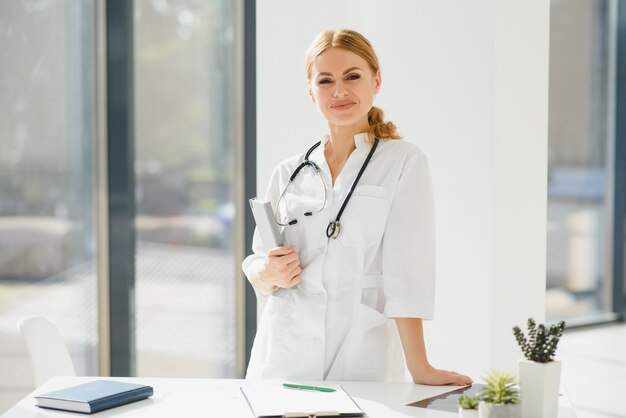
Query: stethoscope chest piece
[333,230]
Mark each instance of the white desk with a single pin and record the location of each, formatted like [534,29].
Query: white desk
[222,398]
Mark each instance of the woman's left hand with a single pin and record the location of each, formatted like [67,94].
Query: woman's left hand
[436,377]
[412,336]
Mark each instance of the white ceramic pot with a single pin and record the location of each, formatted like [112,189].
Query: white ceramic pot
[539,388]
[468,413]
[499,410]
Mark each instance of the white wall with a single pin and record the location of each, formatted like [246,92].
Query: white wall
[519,170]
[467,82]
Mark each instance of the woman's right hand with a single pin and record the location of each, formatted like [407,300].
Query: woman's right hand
[281,269]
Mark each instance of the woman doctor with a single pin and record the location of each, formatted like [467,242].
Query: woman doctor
[344,299]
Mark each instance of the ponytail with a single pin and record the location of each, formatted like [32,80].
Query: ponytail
[378,127]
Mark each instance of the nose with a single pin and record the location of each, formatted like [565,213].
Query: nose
[340,89]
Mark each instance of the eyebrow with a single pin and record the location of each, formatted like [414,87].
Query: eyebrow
[345,72]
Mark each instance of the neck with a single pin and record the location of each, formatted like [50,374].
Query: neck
[341,142]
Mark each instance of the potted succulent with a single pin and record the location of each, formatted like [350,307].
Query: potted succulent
[499,397]
[468,407]
[539,372]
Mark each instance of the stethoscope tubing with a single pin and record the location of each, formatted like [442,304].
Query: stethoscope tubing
[334,227]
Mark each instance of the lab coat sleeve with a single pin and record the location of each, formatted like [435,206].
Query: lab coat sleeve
[258,252]
[409,245]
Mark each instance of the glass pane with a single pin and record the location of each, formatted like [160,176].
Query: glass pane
[47,239]
[579,172]
[185,290]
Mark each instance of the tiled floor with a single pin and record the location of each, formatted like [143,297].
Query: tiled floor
[594,370]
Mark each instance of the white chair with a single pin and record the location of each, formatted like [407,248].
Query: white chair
[48,353]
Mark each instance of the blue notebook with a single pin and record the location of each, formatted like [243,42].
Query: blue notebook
[94,396]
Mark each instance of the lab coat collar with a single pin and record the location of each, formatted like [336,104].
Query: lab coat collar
[360,140]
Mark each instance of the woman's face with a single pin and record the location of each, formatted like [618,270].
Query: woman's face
[343,86]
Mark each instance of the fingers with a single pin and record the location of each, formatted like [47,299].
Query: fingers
[465,379]
[284,255]
[295,276]
[279,251]
[292,279]
[284,266]
[293,264]
[442,377]
[460,380]
[287,263]
[290,258]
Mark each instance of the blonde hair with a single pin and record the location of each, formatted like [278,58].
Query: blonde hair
[353,41]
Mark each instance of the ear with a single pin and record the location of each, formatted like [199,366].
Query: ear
[311,95]
[377,82]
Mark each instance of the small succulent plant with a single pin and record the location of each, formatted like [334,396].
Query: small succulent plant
[540,345]
[500,388]
[466,402]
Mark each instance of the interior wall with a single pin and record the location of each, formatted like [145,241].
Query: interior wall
[444,73]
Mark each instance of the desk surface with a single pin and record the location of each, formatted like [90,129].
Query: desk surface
[222,397]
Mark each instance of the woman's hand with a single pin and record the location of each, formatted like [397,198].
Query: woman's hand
[436,377]
[281,269]
[412,336]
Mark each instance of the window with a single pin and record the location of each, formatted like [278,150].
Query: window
[184,168]
[188,148]
[580,191]
[47,176]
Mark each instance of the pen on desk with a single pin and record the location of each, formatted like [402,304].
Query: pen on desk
[305,387]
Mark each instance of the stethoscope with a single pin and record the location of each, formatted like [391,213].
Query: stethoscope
[334,227]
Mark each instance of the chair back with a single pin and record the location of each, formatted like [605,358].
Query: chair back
[47,351]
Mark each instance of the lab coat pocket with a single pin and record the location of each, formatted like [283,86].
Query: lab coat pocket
[366,357]
[363,221]
[371,286]
[270,344]
[280,307]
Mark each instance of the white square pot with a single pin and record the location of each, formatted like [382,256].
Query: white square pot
[468,413]
[498,410]
[539,388]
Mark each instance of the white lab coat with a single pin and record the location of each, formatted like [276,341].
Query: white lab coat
[336,323]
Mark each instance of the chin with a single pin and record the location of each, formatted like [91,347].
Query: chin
[347,120]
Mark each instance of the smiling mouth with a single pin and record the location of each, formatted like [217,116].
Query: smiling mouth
[343,106]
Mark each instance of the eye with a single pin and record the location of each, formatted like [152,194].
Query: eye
[353,77]
[325,81]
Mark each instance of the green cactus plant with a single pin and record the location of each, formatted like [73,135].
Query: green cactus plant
[541,343]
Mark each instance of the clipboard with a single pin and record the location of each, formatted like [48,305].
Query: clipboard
[271,236]
[269,399]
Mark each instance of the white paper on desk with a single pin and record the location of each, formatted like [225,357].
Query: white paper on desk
[271,399]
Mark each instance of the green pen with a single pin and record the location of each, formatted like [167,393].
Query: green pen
[305,387]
